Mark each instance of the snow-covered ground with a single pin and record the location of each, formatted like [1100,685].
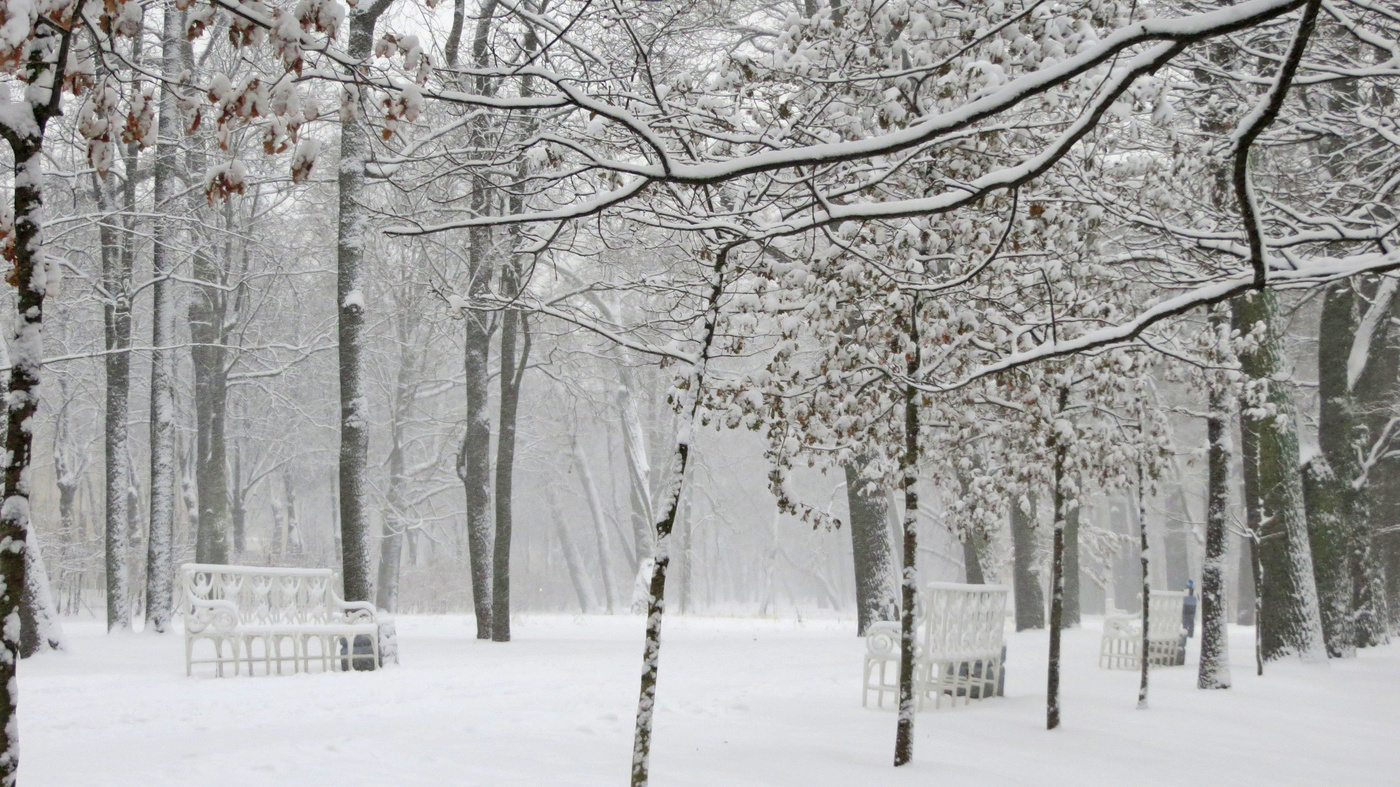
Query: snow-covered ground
[742,702]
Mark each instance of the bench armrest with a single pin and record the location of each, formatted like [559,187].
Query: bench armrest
[357,611]
[220,613]
[882,639]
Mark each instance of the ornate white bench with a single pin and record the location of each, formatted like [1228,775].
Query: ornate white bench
[1121,646]
[959,646]
[294,614]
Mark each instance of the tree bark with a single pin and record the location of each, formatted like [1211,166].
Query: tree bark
[1030,597]
[39,628]
[238,513]
[513,326]
[656,602]
[160,533]
[1215,636]
[1290,622]
[1072,591]
[351,236]
[474,458]
[1332,502]
[1146,557]
[116,318]
[639,487]
[207,315]
[875,571]
[1375,396]
[909,584]
[30,278]
[1057,579]
[395,523]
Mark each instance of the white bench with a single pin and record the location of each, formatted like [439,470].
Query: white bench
[295,614]
[1121,646]
[958,648]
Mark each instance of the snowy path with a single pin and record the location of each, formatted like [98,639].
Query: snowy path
[742,702]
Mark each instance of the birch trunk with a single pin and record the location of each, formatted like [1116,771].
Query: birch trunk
[160,533]
[656,602]
[909,579]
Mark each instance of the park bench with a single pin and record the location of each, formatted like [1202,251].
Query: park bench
[1121,646]
[295,615]
[959,646]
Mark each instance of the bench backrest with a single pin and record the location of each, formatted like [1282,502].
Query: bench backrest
[265,596]
[963,619]
[1164,620]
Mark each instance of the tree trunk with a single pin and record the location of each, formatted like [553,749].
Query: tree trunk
[1375,396]
[1215,635]
[972,561]
[1290,622]
[351,236]
[207,316]
[474,468]
[296,546]
[686,521]
[39,628]
[238,513]
[656,602]
[116,314]
[1332,503]
[870,546]
[600,529]
[909,584]
[513,327]
[1246,587]
[1071,602]
[395,523]
[1057,581]
[1146,557]
[1030,597]
[30,278]
[474,459]
[577,576]
[37,611]
[161,532]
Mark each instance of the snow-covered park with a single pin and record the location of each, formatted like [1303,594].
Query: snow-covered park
[743,703]
[803,348]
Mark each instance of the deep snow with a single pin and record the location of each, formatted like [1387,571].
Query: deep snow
[741,702]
